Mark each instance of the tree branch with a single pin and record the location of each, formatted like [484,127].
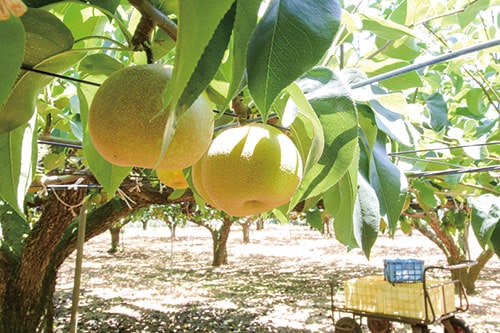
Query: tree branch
[146,8]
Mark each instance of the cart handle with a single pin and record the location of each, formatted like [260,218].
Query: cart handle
[460,265]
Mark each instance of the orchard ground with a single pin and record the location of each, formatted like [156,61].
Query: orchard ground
[279,282]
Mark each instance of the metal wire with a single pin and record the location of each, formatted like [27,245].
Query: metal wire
[433,61]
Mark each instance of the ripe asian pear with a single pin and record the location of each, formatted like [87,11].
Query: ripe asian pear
[127,125]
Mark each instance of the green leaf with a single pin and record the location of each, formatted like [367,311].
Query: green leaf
[387,29]
[99,64]
[389,183]
[210,60]
[198,21]
[335,109]
[366,216]
[398,83]
[11,57]
[291,37]
[425,195]
[108,5]
[485,217]
[340,202]
[470,12]
[306,130]
[495,240]
[314,219]
[17,162]
[15,230]
[244,24]
[108,175]
[405,48]
[391,123]
[439,111]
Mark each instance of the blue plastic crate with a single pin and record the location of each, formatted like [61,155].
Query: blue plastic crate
[403,270]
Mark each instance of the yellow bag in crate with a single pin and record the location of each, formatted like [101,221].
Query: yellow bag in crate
[374,294]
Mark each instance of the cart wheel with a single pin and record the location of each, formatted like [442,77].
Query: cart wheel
[347,325]
[379,325]
[459,326]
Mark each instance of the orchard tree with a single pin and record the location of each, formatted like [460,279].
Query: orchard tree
[308,69]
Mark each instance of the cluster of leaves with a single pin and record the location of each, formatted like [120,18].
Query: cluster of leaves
[284,57]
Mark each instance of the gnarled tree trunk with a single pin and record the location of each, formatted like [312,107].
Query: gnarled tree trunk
[28,276]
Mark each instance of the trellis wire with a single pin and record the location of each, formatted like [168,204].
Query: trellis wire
[430,62]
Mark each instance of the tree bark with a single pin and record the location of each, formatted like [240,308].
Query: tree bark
[246,230]
[219,238]
[27,282]
[115,238]
[28,297]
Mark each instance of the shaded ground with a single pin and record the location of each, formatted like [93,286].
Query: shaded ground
[277,283]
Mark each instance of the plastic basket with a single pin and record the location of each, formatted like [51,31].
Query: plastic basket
[403,270]
[376,295]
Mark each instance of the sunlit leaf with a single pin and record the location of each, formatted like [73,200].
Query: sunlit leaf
[99,64]
[397,83]
[17,161]
[244,24]
[198,21]
[485,217]
[385,28]
[291,37]
[209,62]
[11,57]
[332,102]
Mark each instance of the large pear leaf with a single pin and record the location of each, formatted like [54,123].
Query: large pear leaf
[12,41]
[366,216]
[485,218]
[389,183]
[198,21]
[340,202]
[306,130]
[291,37]
[209,62]
[244,24]
[330,99]
[108,175]
[392,123]
[17,162]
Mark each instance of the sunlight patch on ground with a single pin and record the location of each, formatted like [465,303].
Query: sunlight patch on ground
[124,310]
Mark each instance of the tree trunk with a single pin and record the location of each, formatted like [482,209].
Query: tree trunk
[28,278]
[172,227]
[219,238]
[246,230]
[453,252]
[115,238]
[259,224]
[28,303]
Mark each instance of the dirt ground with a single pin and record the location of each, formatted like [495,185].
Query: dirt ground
[279,282]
